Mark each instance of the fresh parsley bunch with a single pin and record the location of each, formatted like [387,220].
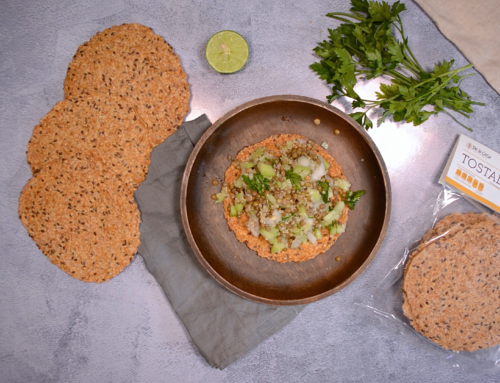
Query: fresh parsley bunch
[363,46]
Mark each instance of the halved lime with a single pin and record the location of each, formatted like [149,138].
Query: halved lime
[227,52]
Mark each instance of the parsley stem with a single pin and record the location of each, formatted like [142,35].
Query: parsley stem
[458,122]
[415,61]
[411,67]
[287,218]
[463,101]
[446,105]
[335,15]
[400,76]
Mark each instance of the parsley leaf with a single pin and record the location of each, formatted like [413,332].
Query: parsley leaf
[259,183]
[324,190]
[294,178]
[351,198]
[287,218]
[363,46]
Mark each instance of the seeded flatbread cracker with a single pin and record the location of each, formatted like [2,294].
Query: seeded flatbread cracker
[85,230]
[451,286]
[259,244]
[447,226]
[97,125]
[125,93]
[131,61]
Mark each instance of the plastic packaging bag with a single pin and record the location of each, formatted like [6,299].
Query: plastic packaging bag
[387,300]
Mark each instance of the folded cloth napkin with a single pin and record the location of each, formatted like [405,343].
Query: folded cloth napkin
[474,27]
[222,325]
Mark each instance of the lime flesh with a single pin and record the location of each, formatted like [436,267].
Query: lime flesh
[227,52]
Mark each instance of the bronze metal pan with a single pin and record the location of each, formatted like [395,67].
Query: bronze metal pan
[232,263]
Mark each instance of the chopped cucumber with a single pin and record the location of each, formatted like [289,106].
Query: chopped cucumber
[239,198]
[277,247]
[336,228]
[334,214]
[327,164]
[287,184]
[238,183]
[269,235]
[314,194]
[330,193]
[339,207]
[222,195]
[258,152]
[296,230]
[317,233]
[266,170]
[333,229]
[330,217]
[342,184]
[232,211]
[308,225]
[302,171]
[272,199]
[246,165]
[239,207]
[302,210]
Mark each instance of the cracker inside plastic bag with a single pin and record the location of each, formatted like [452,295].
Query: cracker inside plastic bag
[444,293]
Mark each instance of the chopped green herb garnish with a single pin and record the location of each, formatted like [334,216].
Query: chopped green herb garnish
[287,218]
[351,198]
[259,183]
[324,190]
[294,178]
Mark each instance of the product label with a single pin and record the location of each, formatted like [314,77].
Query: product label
[474,169]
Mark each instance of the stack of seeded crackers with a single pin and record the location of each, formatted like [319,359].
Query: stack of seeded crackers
[451,286]
[125,93]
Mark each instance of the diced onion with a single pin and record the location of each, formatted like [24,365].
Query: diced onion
[253,225]
[303,161]
[272,220]
[296,242]
[317,204]
[319,172]
[311,237]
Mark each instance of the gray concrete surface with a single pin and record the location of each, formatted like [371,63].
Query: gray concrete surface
[56,329]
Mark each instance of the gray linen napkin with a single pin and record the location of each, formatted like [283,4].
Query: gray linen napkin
[222,325]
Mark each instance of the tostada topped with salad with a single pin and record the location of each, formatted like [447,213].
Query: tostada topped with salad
[286,198]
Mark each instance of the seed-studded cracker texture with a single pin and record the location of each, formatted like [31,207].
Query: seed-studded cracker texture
[259,244]
[132,61]
[447,226]
[97,125]
[452,287]
[78,224]
[126,92]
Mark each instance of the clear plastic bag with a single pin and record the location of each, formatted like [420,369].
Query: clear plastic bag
[387,300]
